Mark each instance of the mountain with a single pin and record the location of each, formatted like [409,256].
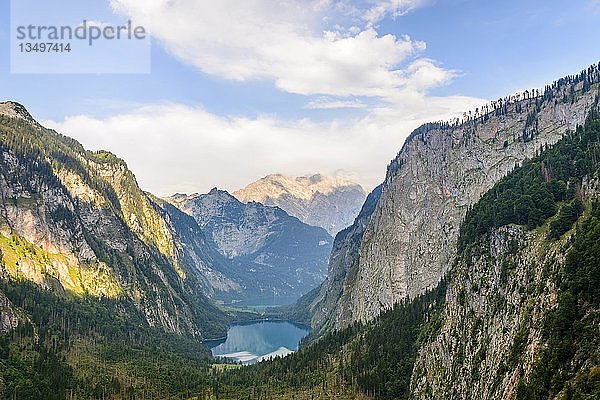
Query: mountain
[76,222]
[272,257]
[197,251]
[517,312]
[331,202]
[406,242]
[101,284]
[344,252]
[523,301]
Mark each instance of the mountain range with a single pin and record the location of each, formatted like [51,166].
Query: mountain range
[270,256]
[405,242]
[471,272]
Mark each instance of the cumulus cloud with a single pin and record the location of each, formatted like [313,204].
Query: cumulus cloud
[302,47]
[286,42]
[178,148]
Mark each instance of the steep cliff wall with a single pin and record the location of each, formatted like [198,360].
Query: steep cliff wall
[410,239]
[519,322]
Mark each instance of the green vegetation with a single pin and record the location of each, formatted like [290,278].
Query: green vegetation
[43,154]
[146,267]
[80,347]
[16,254]
[93,347]
[567,215]
[30,371]
[533,193]
[570,362]
[375,359]
[548,189]
[298,311]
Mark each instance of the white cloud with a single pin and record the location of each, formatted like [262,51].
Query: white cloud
[324,103]
[286,42]
[177,148]
[395,8]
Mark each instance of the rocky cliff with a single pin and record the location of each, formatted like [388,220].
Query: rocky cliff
[331,202]
[521,311]
[341,269]
[409,241]
[197,251]
[76,222]
[9,315]
[272,257]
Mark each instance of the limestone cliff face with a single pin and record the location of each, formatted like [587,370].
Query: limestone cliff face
[195,251]
[9,316]
[500,293]
[331,202]
[342,268]
[409,241]
[73,220]
[494,305]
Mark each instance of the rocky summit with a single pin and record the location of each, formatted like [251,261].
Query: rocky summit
[331,202]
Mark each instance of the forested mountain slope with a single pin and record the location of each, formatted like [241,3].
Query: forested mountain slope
[77,222]
[97,297]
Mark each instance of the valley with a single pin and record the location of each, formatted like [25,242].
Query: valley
[470,272]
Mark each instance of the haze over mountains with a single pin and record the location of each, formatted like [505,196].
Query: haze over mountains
[76,221]
[331,202]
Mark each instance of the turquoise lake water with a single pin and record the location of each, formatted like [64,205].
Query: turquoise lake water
[259,341]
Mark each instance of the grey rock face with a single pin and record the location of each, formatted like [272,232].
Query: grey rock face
[498,296]
[329,202]
[494,307]
[16,110]
[273,257]
[73,220]
[409,241]
[196,251]
[343,265]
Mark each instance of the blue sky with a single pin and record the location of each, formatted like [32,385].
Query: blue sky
[239,91]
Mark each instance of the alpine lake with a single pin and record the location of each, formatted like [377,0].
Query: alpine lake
[257,341]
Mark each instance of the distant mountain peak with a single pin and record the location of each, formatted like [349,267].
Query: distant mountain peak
[303,187]
[331,202]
